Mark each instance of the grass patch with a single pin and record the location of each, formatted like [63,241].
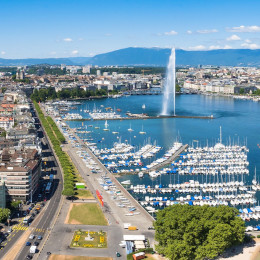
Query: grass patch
[84,194]
[87,214]
[99,239]
[72,257]
[78,178]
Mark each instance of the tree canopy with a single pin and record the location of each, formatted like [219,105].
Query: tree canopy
[187,232]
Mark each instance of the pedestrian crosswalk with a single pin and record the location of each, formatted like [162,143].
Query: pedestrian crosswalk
[39,230]
[19,227]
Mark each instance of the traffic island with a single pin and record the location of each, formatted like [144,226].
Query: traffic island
[89,239]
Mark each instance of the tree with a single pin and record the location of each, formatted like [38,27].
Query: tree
[241,91]
[4,214]
[194,232]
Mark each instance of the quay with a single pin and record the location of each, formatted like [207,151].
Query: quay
[116,215]
[144,117]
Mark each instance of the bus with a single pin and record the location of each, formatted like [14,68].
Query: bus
[48,188]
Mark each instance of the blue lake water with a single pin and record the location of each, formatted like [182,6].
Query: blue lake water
[239,119]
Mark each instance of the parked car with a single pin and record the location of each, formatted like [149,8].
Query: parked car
[39,237]
[28,243]
[36,243]
[29,257]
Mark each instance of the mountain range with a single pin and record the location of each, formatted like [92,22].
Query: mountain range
[152,57]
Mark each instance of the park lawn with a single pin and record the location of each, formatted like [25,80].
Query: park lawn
[71,257]
[83,194]
[87,214]
[96,243]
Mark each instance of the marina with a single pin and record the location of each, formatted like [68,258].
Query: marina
[211,174]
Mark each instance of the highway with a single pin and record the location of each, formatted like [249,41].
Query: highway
[42,222]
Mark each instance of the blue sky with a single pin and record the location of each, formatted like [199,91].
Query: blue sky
[52,28]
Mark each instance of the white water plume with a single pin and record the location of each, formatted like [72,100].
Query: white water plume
[169,87]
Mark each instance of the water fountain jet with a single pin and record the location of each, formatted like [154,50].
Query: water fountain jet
[169,87]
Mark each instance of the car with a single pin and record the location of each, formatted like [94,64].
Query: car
[28,243]
[36,211]
[9,230]
[39,237]
[28,202]
[118,254]
[42,204]
[25,213]
[29,257]
[48,253]
[36,243]
[6,234]
[150,228]
[33,215]
[32,236]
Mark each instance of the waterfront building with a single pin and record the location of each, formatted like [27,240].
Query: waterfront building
[20,170]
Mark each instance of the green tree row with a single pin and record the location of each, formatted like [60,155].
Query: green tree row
[57,139]
[49,94]
[187,232]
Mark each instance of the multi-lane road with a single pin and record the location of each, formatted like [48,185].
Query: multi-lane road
[42,223]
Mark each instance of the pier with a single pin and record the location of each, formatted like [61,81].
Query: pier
[169,160]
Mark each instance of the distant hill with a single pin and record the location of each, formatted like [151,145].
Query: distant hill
[152,57]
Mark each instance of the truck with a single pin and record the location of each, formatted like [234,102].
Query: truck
[33,249]
[27,219]
[132,228]
[127,225]
[139,256]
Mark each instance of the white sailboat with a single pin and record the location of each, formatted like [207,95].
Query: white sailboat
[106,125]
[143,106]
[142,132]
[130,129]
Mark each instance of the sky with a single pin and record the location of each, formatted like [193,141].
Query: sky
[83,28]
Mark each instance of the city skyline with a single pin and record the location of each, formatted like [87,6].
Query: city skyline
[87,28]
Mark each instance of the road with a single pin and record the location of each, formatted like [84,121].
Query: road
[41,225]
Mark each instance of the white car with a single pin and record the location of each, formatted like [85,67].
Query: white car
[31,236]
[122,244]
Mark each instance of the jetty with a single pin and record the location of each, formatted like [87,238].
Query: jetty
[169,160]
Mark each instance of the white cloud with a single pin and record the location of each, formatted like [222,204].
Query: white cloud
[250,45]
[227,47]
[197,48]
[247,41]
[67,40]
[3,52]
[233,37]
[242,28]
[214,47]
[207,31]
[170,33]
[189,32]
[74,52]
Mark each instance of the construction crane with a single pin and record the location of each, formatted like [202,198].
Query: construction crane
[144,71]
